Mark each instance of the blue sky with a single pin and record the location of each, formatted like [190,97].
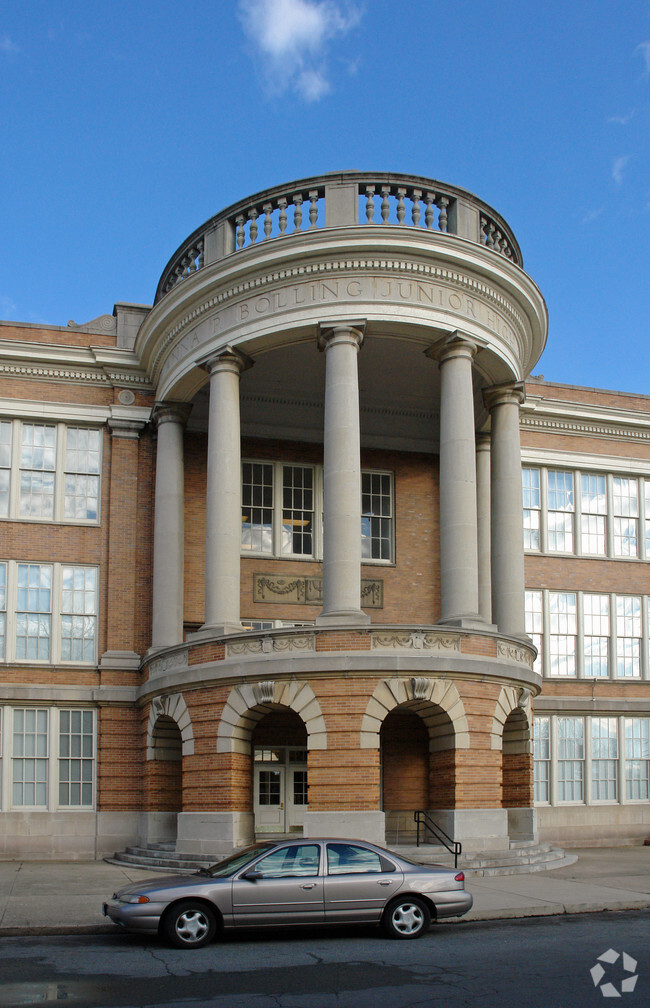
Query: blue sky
[126,124]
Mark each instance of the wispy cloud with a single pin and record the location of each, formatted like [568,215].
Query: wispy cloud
[622,120]
[644,49]
[7,46]
[618,167]
[593,215]
[294,38]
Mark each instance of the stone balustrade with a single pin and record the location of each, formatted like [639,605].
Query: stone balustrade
[347,199]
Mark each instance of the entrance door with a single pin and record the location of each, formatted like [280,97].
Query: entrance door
[269,799]
[280,784]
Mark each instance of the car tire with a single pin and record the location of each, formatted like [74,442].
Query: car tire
[406,917]
[190,924]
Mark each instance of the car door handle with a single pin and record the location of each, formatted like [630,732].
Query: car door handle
[308,885]
[384,882]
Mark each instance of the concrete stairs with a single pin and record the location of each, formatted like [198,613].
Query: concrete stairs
[522,857]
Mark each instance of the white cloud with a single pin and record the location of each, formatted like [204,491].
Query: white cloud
[644,49]
[7,46]
[593,215]
[622,120]
[618,167]
[293,37]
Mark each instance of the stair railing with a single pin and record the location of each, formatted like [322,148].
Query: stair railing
[423,820]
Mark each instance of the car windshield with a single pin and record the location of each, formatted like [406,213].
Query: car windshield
[236,861]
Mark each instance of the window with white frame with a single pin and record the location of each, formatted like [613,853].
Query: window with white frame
[604,758]
[586,513]
[571,759]
[604,749]
[628,636]
[294,528]
[51,753]
[48,612]
[596,635]
[542,758]
[533,615]
[49,471]
[563,629]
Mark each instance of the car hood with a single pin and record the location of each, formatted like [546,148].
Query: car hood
[168,882]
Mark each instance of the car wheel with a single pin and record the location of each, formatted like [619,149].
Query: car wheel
[189,924]
[406,917]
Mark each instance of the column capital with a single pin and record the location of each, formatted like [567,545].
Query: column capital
[170,412]
[226,359]
[503,395]
[341,332]
[456,344]
[123,428]
[483,441]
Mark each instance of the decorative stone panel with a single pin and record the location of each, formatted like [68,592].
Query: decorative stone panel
[309,590]
[442,643]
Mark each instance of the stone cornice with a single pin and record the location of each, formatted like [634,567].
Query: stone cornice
[89,365]
[587,428]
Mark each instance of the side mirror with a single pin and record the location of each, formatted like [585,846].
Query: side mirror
[252,875]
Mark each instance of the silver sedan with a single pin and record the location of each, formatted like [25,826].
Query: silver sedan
[303,881]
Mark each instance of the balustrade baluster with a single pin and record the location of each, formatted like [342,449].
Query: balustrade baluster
[497,240]
[313,209]
[385,205]
[282,220]
[442,202]
[370,204]
[201,254]
[268,222]
[429,199]
[297,213]
[241,234]
[401,209]
[489,238]
[416,196]
[253,214]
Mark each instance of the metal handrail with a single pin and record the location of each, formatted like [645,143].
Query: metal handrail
[423,819]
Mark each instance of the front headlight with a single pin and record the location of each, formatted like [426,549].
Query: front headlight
[132,898]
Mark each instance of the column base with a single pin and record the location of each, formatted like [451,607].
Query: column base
[207,632]
[343,617]
[522,824]
[215,834]
[128,661]
[348,825]
[468,621]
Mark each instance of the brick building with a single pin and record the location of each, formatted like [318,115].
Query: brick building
[262,565]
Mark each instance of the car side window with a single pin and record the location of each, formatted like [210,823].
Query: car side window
[350,859]
[289,862]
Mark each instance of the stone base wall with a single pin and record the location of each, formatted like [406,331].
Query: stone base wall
[594,826]
[65,836]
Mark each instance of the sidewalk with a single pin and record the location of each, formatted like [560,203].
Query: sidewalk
[53,897]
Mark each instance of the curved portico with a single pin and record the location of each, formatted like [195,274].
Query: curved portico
[427,327]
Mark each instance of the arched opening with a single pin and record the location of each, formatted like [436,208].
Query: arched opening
[279,750]
[418,765]
[517,761]
[165,769]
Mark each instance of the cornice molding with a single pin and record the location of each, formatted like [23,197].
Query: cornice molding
[588,428]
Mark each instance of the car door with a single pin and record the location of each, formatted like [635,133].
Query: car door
[286,888]
[359,881]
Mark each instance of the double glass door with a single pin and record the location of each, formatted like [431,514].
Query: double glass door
[280,784]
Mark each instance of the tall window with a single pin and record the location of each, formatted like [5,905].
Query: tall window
[628,636]
[571,756]
[78,613]
[376,516]
[257,507]
[542,758]
[596,635]
[563,629]
[81,495]
[637,762]
[5,465]
[29,762]
[534,623]
[37,468]
[647,517]
[604,759]
[594,513]
[34,612]
[298,510]
[532,508]
[3,609]
[560,511]
[626,514]
[76,756]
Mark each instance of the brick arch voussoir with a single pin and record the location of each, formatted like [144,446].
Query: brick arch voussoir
[173,706]
[430,695]
[512,698]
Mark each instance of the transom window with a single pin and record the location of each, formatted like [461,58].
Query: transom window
[49,472]
[48,612]
[282,511]
[585,513]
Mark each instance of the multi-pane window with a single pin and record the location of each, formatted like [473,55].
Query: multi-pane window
[560,511]
[76,756]
[30,757]
[593,499]
[628,635]
[626,515]
[604,759]
[542,758]
[376,516]
[596,635]
[532,507]
[637,762]
[81,474]
[571,759]
[5,465]
[37,469]
[563,630]
[3,609]
[295,529]
[534,623]
[34,611]
[298,510]
[78,613]
[647,516]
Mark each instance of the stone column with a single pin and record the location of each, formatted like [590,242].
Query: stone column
[223,503]
[458,522]
[507,519]
[483,526]
[341,477]
[169,526]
